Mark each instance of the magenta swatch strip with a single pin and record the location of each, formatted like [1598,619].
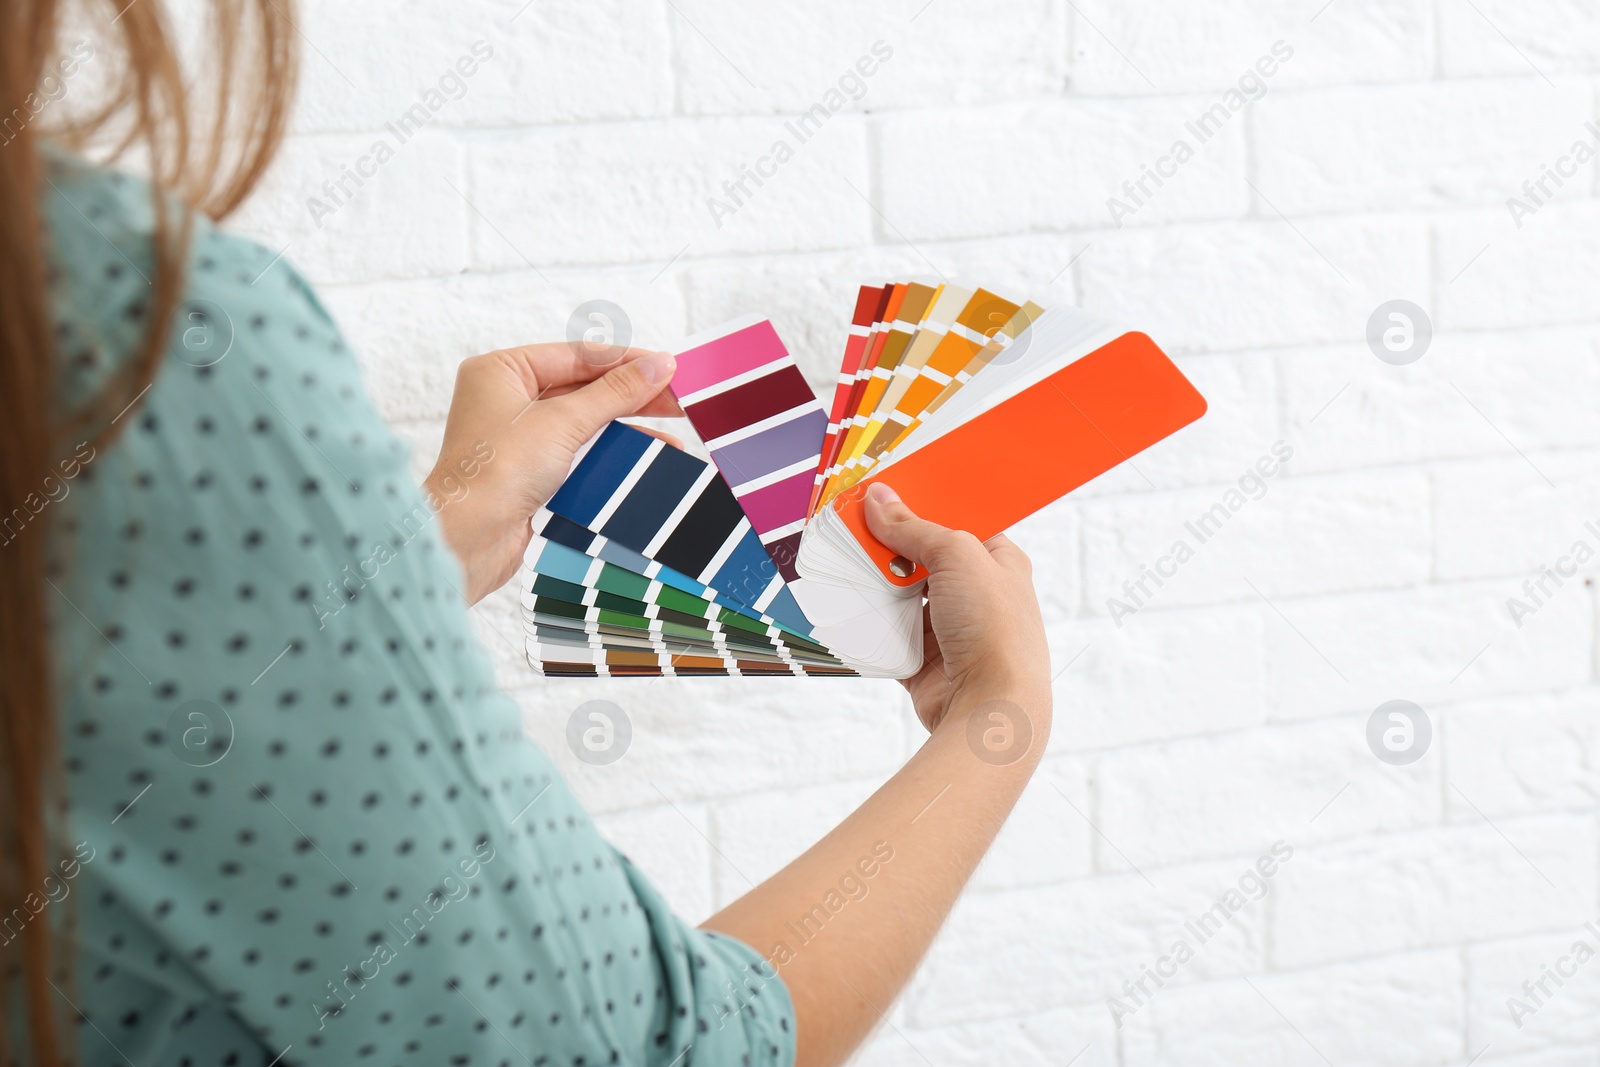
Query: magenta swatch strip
[726,357]
[778,504]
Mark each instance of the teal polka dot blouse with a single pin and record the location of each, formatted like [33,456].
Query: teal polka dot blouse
[305,828]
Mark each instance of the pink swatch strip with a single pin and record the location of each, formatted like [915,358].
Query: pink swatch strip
[726,357]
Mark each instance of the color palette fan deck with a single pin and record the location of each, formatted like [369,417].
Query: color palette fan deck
[976,409]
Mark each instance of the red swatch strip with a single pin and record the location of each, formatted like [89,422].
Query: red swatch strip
[888,304]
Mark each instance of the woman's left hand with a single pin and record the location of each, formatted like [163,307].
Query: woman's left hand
[516,420]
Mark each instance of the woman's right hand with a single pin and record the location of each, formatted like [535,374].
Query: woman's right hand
[984,636]
[984,693]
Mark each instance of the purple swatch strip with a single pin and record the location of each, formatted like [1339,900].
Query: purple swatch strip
[772,450]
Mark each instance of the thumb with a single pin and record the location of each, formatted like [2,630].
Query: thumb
[621,391]
[897,526]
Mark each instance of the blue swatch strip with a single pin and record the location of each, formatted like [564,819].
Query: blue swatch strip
[598,474]
[700,531]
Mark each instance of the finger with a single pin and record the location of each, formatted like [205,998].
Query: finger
[931,652]
[1005,552]
[568,364]
[935,547]
[621,391]
[672,439]
[661,406]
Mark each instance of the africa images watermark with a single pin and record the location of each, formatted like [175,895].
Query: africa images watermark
[52,87]
[1542,588]
[1538,191]
[1537,991]
[852,887]
[56,889]
[1250,87]
[354,576]
[1252,887]
[851,85]
[451,85]
[54,487]
[1252,485]
[453,888]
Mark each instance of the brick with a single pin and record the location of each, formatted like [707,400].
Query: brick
[737,59]
[1116,686]
[1502,517]
[402,221]
[411,335]
[1209,47]
[645,190]
[1430,645]
[1082,1036]
[1052,538]
[1433,888]
[1032,950]
[1043,841]
[546,63]
[1392,147]
[1501,276]
[1503,37]
[1019,168]
[1300,784]
[1243,285]
[1565,1012]
[1286,536]
[757,836]
[1551,1057]
[1521,755]
[1548,1058]
[1410,1006]
[497,620]
[1344,408]
[688,746]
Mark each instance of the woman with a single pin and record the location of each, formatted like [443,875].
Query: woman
[260,812]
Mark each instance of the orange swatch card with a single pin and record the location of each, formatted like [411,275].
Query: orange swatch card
[1008,461]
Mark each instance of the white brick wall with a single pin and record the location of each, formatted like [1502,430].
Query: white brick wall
[1230,711]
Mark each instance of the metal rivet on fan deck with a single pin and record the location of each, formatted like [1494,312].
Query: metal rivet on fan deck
[901,567]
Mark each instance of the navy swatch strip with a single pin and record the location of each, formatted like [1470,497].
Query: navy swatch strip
[710,541]
[665,481]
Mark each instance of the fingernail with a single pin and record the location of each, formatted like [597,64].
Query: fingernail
[658,367]
[882,493]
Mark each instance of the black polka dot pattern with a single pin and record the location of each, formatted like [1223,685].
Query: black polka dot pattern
[309,828]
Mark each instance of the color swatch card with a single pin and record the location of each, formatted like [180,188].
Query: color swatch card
[977,409]
[757,415]
[642,535]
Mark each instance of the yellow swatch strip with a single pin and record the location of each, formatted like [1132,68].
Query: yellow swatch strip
[1001,341]
[984,315]
[941,315]
[876,337]
[903,327]
[908,318]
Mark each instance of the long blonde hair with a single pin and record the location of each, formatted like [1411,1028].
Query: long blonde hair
[203,151]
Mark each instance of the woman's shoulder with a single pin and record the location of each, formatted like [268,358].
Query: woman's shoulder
[102,227]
